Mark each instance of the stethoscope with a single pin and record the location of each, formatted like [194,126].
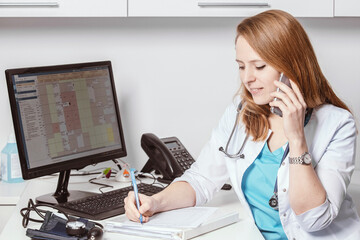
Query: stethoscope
[239,154]
[273,202]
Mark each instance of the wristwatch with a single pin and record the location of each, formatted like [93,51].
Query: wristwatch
[304,159]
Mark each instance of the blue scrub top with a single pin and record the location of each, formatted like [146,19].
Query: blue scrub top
[258,187]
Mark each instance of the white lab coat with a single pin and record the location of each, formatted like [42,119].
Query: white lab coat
[331,139]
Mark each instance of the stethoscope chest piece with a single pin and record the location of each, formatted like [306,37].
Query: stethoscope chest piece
[273,202]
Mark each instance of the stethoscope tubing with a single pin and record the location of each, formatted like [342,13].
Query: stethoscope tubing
[241,155]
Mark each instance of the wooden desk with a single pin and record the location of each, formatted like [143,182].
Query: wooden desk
[244,229]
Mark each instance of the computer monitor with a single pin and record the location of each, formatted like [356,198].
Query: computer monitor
[65,117]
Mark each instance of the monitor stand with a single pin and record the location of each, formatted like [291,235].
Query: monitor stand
[62,194]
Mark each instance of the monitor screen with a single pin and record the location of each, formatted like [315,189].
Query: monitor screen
[65,117]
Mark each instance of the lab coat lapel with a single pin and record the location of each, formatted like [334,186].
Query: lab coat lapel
[252,148]
[251,151]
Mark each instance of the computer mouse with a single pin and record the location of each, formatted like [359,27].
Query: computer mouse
[123,176]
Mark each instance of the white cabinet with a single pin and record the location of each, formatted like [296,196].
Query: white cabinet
[347,8]
[227,8]
[63,8]
[176,8]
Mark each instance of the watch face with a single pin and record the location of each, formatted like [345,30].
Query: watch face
[307,158]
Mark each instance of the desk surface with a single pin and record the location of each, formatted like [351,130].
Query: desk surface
[36,187]
[10,192]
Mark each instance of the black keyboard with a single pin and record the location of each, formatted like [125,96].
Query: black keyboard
[105,205]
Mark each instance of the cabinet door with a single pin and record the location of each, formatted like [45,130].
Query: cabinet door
[63,8]
[347,8]
[227,8]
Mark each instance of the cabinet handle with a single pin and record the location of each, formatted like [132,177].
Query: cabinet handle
[229,4]
[29,4]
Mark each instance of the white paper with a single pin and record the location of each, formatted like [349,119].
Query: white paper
[144,231]
[177,224]
[183,218]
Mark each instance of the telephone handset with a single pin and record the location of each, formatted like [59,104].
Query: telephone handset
[283,79]
[167,156]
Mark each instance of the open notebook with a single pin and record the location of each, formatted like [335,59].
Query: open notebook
[179,224]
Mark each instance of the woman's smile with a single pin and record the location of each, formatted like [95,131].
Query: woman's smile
[256,91]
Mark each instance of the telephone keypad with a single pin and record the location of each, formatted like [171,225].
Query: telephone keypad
[183,158]
[180,153]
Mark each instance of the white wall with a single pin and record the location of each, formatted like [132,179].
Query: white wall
[174,76]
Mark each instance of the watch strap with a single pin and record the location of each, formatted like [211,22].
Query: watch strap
[298,160]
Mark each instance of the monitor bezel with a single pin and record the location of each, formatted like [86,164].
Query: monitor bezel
[77,163]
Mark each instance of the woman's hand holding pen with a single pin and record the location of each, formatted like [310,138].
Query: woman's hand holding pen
[176,195]
[147,208]
[293,108]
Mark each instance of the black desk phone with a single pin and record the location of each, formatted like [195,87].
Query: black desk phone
[167,156]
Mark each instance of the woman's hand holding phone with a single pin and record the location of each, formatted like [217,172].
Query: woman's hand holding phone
[293,107]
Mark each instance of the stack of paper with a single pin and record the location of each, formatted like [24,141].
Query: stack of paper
[176,224]
[144,231]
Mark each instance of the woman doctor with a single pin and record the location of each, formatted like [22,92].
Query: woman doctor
[291,173]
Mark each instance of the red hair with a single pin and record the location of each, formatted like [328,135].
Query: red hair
[281,41]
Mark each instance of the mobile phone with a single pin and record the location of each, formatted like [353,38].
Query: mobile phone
[283,79]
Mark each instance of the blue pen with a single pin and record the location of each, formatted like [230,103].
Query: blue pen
[132,174]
